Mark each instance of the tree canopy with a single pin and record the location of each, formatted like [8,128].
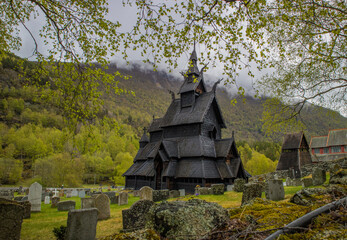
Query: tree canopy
[301,41]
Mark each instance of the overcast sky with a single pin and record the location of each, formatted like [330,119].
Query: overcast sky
[127,17]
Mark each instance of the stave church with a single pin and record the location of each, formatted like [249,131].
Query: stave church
[185,147]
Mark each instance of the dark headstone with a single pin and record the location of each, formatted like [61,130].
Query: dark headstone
[27,209]
[307,182]
[114,199]
[250,192]
[318,176]
[218,189]
[160,195]
[81,224]
[135,216]
[66,205]
[11,218]
[239,184]
[55,201]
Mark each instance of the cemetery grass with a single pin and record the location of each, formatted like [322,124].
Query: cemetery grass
[40,226]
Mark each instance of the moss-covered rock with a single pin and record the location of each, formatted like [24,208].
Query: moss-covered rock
[186,220]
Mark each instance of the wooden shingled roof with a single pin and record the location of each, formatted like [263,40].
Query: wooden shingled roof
[175,116]
[292,140]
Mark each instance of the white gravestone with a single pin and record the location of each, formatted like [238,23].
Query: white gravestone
[82,193]
[35,193]
[74,193]
[47,200]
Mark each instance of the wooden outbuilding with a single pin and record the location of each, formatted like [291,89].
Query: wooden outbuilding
[295,153]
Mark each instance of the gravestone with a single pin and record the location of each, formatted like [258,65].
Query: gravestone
[56,193]
[61,193]
[110,194]
[182,192]
[136,193]
[44,195]
[55,201]
[47,200]
[114,199]
[274,190]
[68,194]
[8,195]
[250,192]
[81,224]
[135,217]
[307,182]
[11,218]
[81,193]
[123,198]
[146,193]
[203,191]
[239,184]
[27,208]
[87,203]
[230,188]
[318,176]
[66,205]
[74,193]
[160,195]
[218,189]
[35,192]
[174,194]
[102,203]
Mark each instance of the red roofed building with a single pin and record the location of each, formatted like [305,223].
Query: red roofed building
[331,146]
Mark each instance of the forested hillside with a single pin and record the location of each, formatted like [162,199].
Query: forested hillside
[36,144]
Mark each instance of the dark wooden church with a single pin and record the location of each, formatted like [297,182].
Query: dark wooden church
[185,148]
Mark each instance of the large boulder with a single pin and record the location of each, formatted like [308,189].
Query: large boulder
[251,191]
[186,220]
[135,217]
[339,177]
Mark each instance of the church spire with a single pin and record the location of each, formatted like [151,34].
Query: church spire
[193,68]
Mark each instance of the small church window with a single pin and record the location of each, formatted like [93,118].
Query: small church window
[317,151]
[326,150]
[336,149]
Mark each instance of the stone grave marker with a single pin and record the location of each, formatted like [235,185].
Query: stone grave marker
[135,217]
[123,198]
[82,193]
[56,193]
[218,189]
[11,218]
[81,224]
[69,194]
[102,203]
[55,201]
[47,200]
[182,192]
[174,194]
[146,193]
[230,188]
[160,195]
[250,192]
[8,195]
[274,190]
[27,208]
[110,194]
[136,193]
[35,194]
[61,193]
[239,184]
[87,203]
[74,193]
[114,199]
[66,205]
[307,182]
[318,176]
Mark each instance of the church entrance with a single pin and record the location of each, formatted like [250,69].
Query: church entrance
[158,170]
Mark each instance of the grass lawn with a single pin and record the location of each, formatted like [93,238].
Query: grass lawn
[41,224]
